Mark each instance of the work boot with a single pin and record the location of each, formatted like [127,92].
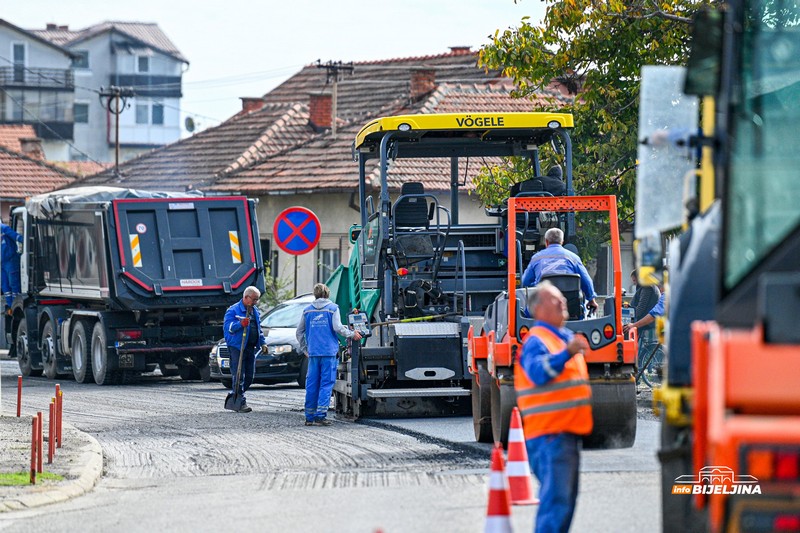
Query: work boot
[245,408]
[322,422]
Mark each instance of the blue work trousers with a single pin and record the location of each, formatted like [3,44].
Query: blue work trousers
[319,385]
[10,282]
[555,460]
[248,369]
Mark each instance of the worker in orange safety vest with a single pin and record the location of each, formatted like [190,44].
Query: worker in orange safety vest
[554,398]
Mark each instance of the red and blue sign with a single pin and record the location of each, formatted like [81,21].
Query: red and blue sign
[296,230]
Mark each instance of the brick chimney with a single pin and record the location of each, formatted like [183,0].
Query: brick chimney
[320,109]
[251,103]
[32,147]
[423,81]
[460,50]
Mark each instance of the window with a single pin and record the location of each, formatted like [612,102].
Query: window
[81,59]
[142,64]
[80,113]
[142,112]
[18,51]
[328,262]
[158,113]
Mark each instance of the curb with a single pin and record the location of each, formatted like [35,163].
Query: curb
[86,472]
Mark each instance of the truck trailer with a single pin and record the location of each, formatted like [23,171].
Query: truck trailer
[115,281]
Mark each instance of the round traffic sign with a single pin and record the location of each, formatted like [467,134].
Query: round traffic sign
[296,230]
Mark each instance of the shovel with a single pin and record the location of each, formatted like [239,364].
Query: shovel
[233,401]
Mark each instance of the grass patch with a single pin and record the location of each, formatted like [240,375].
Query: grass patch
[16,479]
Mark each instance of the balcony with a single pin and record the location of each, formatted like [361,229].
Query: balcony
[37,78]
[147,85]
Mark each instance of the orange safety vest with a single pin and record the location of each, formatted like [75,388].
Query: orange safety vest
[564,404]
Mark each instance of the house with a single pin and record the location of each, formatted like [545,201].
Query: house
[281,148]
[37,86]
[130,55]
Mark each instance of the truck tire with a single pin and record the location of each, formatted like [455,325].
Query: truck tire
[482,403]
[99,358]
[504,398]
[301,378]
[189,372]
[49,351]
[168,372]
[205,374]
[81,362]
[24,353]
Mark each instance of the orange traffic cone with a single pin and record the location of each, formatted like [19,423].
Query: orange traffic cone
[498,513]
[517,468]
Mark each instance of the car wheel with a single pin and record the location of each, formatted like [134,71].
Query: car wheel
[81,365]
[301,378]
[189,372]
[227,383]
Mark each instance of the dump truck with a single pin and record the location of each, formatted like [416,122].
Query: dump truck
[495,348]
[118,281]
[421,279]
[729,401]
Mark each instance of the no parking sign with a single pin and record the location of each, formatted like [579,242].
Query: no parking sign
[296,230]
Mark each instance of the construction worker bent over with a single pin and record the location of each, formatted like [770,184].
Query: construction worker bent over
[554,398]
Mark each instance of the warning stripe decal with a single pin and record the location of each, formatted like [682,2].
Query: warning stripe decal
[236,253]
[136,252]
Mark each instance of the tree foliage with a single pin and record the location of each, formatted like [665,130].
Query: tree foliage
[597,49]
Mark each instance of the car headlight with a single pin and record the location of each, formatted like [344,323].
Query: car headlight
[213,355]
[276,349]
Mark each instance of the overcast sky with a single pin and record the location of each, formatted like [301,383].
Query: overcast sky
[246,47]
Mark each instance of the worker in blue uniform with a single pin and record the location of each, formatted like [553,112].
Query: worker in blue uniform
[237,320]
[10,263]
[316,334]
[555,259]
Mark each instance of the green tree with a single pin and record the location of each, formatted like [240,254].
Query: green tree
[596,49]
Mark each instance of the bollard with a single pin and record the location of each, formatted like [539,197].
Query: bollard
[59,408]
[34,433]
[39,442]
[51,432]
[19,395]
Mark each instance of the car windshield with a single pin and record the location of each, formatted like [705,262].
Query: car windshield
[284,316]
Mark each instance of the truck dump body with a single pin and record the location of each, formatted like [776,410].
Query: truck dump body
[143,252]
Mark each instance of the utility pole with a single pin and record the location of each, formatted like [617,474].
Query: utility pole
[332,70]
[119,95]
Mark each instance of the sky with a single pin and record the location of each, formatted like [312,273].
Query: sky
[241,48]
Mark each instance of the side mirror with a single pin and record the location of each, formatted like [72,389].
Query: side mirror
[355,232]
[702,70]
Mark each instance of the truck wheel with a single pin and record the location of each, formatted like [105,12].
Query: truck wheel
[482,403]
[504,398]
[168,371]
[49,351]
[23,353]
[205,373]
[99,358]
[81,364]
[189,372]
[301,377]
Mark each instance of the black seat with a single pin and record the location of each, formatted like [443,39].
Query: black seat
[411,212]
[570,287]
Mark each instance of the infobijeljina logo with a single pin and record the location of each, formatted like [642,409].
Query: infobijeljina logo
[716,480]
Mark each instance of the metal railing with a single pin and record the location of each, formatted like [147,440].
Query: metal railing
[54,78]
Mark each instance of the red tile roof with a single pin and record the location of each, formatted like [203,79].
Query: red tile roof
[12,134]
[81,168]
[276,150]
[24,177]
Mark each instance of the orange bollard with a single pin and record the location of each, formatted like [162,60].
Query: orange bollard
[19,395]
[58,415]
[39,442]
[51,433]
[34,435]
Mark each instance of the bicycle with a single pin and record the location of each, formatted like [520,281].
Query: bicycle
[651,370]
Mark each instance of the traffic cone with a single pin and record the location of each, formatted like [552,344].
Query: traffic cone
[517,468]
[498,513]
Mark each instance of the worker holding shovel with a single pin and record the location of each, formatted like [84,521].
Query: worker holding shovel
[243,334]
